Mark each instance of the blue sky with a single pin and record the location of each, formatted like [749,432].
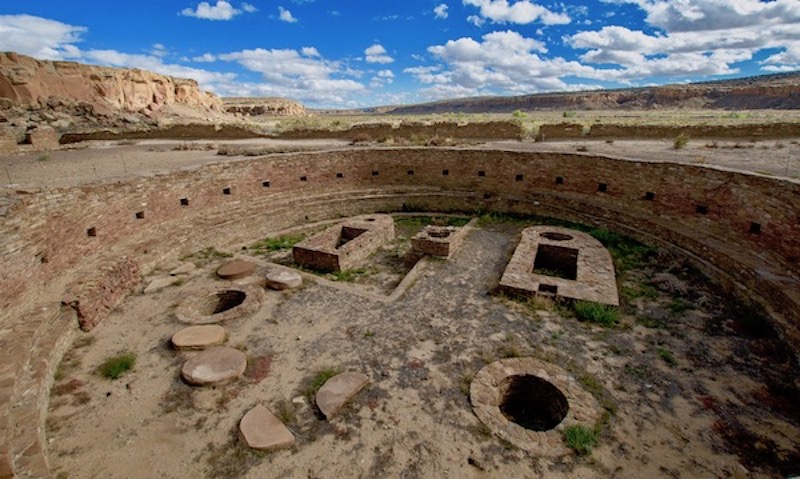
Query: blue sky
[356,53]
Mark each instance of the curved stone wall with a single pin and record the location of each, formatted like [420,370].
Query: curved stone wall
[89,245]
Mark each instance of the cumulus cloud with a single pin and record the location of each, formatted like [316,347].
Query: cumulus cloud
[38,37]
[440,11]
[696,37]
[377,54]
[286,15]
[222,10]
[295,74]
[503,62]
[204,58]
[520,12]
[249,8]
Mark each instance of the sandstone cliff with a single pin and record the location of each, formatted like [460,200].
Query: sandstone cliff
[264,107]
[31,83]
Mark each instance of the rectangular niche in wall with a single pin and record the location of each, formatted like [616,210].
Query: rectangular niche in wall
[184,201]
[265,183]
[140,215]
[602,187]
[92,232]
[226,191]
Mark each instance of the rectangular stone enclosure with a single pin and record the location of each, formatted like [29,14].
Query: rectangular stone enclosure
[439,241]
[345,245]
[560,262]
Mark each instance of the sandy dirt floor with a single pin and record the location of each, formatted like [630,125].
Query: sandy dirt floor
[113,160]
[695,383]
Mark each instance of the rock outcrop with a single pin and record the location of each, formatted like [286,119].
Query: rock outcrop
[30,83]
[264,107]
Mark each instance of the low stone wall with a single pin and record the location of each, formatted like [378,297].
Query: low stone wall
[492,130]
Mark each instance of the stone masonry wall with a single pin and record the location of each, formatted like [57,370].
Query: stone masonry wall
[743,229]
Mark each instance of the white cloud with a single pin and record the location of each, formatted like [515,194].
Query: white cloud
[205,58]
[386,74]
[222,10]
[38,37]
[476,20]
[377,54]
[294,74]
[503,62]
[520,12]
[249,8]
[440,11]
[286,15]
[310,52]
[696,37]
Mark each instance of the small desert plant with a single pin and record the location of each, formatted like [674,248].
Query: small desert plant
[320,378]
[349,275]
[43,157]
[667,356]
[596,313]
[116,366]
[680,141]
[580,439]
[519,114]
[568,114]
[276,244]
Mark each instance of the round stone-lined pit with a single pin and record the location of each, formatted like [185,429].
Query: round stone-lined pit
[218,306]
[198,337]
[529,402]
[214,367]
[532,402]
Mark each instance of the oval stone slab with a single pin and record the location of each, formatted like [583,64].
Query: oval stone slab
[281,279]
[215,366]
[198,337]
[236,269]
[336,391]
[261,430]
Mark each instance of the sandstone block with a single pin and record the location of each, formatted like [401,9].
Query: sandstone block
[198,337]
[261,430]
[338,390]
[236,269]
[215,366]
[160,283]
[284,279]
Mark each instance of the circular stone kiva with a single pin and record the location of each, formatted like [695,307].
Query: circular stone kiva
[236,269]
[284,279]
[529,403]
[215,366]
[198,337]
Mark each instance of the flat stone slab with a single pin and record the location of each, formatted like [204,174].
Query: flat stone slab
[186,268]
[281,279]
[261,430]
[215,366]
[160,283]
[336,391]
[198,337]
[236,269]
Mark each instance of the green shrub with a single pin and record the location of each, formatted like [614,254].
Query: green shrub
[116,366]
[667,356]
[680,141]
[276,244]
[580,439]
[568,114]
[596,313]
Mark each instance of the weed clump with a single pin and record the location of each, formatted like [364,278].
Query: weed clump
[276,244]
[115,366]
[680,141]
[580,439]
[596,313]
[316,382]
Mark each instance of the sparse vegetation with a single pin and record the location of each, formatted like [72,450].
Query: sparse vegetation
[43,157]
[315,382]
[115,366]
[667,356]
[348,275]
[278,243]
[580,439]
[680,141]
[205,255]
[569,114]
[602,314]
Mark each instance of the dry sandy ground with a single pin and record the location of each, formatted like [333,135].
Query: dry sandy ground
[697,386]
[96,161]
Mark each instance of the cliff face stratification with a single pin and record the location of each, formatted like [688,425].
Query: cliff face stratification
[264,107]
[30,83]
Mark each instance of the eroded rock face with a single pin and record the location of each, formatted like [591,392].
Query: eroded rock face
[32,83]
[264,107]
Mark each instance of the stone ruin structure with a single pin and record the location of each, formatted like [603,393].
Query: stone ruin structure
[563,263]
[439,241]
[345,245]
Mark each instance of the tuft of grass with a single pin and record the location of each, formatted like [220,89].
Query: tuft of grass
[667,356]
[115,366]
[43,157]
[349,275]
[316,381]
[569,114]
[580,439]
[596,313]
[679,305]
[276,244]
[680,141]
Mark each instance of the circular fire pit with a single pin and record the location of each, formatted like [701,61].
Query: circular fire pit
[219,306]
[528,402]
